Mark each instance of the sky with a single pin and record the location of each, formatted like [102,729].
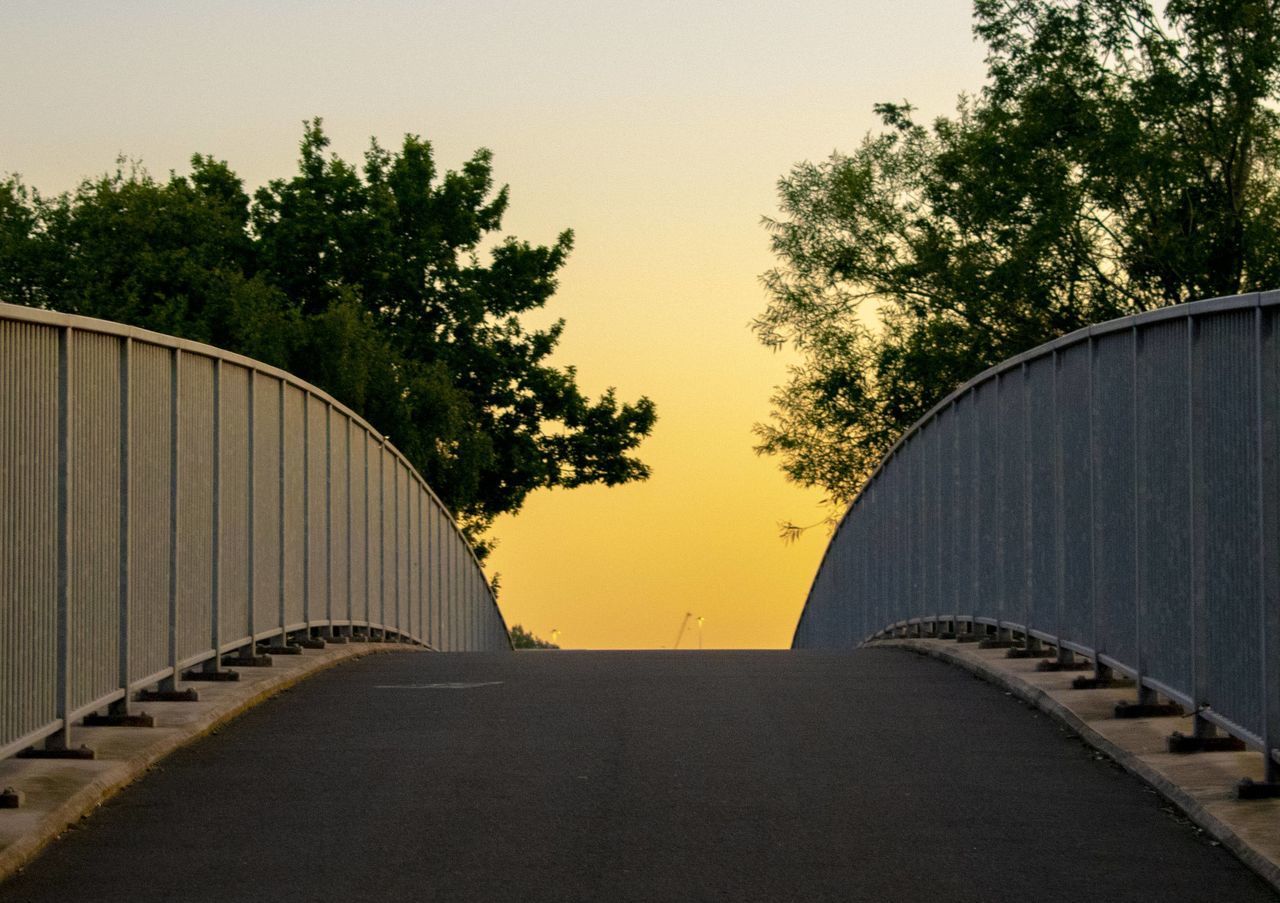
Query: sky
[657,131]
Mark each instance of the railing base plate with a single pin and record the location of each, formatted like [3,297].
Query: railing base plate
[142,719]
[187,695]
[1249,789]
[314,642]
[11,798]
[291,649]
[80,752]
[1147,710]
[1024,652]
[1181,743]
[1101,683]
[1064,666]
[212,676]
[246,661]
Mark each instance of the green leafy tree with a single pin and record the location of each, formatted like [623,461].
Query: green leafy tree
[524,639]
[1118,159]
[368,281]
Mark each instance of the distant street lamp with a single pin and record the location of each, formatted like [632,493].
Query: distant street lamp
[555,636]
[700,620]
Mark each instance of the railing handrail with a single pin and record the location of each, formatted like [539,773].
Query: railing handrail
[125,331]
[1175,311]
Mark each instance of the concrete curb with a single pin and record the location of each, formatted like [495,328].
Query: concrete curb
[1265,863]
[93,782]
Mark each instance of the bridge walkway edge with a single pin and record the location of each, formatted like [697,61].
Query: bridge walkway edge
[1201,785]
[60,792]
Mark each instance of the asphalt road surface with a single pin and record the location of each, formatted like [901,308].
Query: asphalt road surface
[775,776]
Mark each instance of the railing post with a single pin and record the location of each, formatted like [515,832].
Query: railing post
[62,739]
[251,602]
[121,707]
[1100,671]
[215,664]
[281,583]
[328,517]
[170,683]
[369,565]
[306,507]
[1146,695]
[1268,535]
[1033,644]
[1199,617]
[1003,633]
[395,475]
[351,604]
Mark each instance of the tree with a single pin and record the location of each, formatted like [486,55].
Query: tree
[524,639]
[367,282]
[1118,159]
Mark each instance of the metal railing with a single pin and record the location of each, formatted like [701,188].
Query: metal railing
[163,502]
[1115,493]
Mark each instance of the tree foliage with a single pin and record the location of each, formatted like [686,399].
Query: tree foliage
[525,639]
[1117,159]
[368,281]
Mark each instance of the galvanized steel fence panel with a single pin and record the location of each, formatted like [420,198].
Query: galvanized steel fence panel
[1042,498]
[1116,491]
[29,556]
[162,502]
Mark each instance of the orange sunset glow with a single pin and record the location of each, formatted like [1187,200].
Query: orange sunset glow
[656,131]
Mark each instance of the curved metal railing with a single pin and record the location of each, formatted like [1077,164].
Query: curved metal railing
[163,502]
[1115,492]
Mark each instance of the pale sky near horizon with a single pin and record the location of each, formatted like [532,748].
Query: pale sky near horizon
[657,131]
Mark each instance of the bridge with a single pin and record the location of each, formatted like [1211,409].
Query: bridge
[178,520]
